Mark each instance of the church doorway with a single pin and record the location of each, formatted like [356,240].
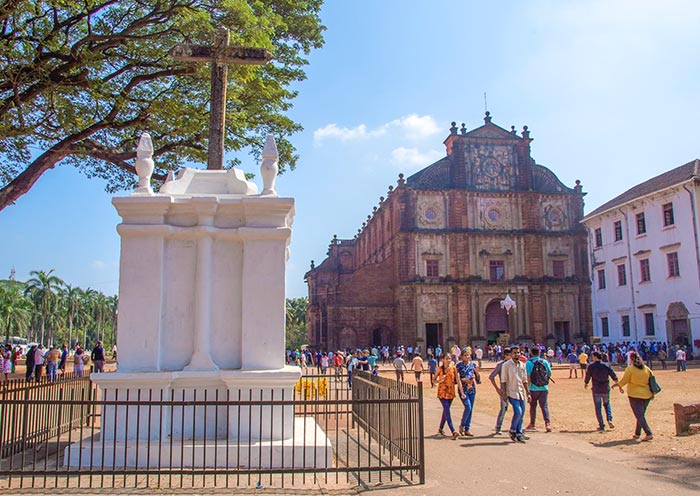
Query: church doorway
[433,335]
[677,324]
[680,332]
[377,337]
[496,321]
[562,331]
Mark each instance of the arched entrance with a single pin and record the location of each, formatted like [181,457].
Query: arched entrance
[677,324]
[496,321]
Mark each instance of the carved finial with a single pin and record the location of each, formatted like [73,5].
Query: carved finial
[578,188]
[401,180]
[144,165]
[513,131]
[364,224]
[313,265]
[487,117]
[526,133]
[381,200]
[453,129]
[464,129]
[391,188]
[335,239]
[374,209]
[269,167]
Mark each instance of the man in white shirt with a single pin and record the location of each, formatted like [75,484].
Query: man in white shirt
[38,362]
[479,355]
[514,389]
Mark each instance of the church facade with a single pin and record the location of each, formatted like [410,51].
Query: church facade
[437,256]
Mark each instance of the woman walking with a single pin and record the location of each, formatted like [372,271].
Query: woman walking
[446,378]
[636,378]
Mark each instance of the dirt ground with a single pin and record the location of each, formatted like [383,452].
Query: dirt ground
[571,411]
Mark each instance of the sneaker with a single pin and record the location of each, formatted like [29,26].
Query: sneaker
[512,435]
[648,437]
[525,437]
[520,438]
[635,436]
[548,428]
[498,431]
[531,427]
[610,425]
[601,429]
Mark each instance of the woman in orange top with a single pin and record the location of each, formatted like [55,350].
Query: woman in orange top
[446,378]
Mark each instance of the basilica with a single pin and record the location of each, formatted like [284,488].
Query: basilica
[441,252]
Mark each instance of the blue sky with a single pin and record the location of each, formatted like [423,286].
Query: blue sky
[608,89]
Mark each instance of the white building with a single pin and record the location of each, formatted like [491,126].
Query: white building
[645,260]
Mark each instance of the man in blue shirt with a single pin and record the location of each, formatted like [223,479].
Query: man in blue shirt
[539,373]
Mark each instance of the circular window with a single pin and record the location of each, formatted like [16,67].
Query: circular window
[493,215]
[430,214]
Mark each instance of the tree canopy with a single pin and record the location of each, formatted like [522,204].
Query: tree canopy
[81,80]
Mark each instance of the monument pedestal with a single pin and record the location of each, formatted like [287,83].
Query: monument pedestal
[201,370]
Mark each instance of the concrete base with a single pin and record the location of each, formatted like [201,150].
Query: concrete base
[310,447]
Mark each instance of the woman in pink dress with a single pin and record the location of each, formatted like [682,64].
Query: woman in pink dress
[78,362]
[7,362]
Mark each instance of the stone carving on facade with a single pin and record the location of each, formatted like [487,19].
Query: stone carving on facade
[553,217]
[144,165]
[430,212]
[492,166]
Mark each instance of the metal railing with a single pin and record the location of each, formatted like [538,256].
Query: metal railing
[321,433]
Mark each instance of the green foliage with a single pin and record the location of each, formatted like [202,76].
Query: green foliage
[46,310]
[82,80]
[295,332]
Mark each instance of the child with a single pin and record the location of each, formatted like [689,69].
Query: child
[375,370]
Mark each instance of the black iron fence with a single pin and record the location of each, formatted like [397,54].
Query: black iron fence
[70,435]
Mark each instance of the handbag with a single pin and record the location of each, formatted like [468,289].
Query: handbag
[653,385]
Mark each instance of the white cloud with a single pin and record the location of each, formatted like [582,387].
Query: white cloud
[411,157]
[412,127]
[99,264]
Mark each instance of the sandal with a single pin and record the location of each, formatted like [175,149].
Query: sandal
[455,435]
[441,432]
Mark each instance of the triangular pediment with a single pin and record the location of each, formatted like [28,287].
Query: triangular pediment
[491,131]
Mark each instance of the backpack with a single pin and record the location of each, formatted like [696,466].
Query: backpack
[540,375]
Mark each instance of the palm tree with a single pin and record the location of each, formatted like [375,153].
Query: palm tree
[73,303]
[15,313]
[41,289]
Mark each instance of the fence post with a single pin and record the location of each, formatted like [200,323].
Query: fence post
[421,436]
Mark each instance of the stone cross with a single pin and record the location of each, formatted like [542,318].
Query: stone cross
[219,55]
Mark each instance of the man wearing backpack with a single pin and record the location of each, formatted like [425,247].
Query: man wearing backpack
[539,373]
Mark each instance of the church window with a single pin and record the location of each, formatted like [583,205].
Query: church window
[598,237]
[497,270]
[626,326]
[673,267]
[644,270]
[558,270]
[668,214]
[601,279]
[641,224]
[605,327]
[432,268]
[618,230]
[649,324]
[621,275]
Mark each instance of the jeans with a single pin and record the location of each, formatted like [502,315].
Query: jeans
[99,365]
[639,408]
[541,398]
[602,400]
[446,416]
[516,425]
[350,379]
[501,414]
[51,369]
[468,402]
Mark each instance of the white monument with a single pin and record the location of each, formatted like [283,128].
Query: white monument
[202,316]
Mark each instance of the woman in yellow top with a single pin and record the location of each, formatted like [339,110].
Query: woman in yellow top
[636,379]
[446,378]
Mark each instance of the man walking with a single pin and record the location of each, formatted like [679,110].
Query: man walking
[601,373]
[572,360]
[514,389]
[496,372]
[399,367]
[98,357]
[417,367]
[539,373]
